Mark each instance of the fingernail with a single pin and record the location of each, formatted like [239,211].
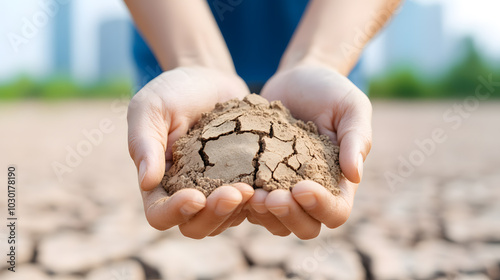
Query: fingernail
[307,199]
[191,208]
[360,166]
[224,207]
[280,211]
[142,171]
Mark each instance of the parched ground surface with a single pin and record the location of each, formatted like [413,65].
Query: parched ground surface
[439,219]
[254,142]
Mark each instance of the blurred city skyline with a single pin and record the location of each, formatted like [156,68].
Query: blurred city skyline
[89,40]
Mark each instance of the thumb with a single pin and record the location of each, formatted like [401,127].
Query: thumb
[147,139]
[355,138]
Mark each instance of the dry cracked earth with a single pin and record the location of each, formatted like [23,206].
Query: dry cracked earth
[442,221]
[254,142]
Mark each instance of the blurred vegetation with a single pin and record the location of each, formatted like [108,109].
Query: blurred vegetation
[460,80]
[63,88]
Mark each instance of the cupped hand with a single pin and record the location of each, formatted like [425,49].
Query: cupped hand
[318,93]
[158,115]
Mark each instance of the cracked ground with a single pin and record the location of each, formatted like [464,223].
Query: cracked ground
[255,142]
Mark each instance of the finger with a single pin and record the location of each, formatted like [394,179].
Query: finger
[354,134]
[251,218]
[269,221]
[232,221]
[246,193]
[321,204]
[163,212]
[219,207]
[241,217]
[258,201]
[258,214]
[147,138]
[290,213]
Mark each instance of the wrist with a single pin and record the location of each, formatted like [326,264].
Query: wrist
[200,58]
[176,39]
[306,56]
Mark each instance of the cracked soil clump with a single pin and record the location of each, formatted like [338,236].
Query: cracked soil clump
[255,142]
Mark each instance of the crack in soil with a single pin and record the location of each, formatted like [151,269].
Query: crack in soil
[204,156]
[255,161]
[285,160]
[262,146]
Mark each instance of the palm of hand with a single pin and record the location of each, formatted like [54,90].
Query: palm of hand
[339,109]
[178,97]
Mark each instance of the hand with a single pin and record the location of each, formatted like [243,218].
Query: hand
[158,115]
[313,92]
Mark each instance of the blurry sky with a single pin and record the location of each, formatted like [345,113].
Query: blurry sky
[461,17]
[34,57]
[478,18]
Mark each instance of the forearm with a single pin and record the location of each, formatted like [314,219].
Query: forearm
[334,32]
[181,33]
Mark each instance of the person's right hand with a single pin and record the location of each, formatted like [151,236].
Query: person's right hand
[158,115]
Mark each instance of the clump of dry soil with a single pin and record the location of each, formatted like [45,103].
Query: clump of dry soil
[255,142]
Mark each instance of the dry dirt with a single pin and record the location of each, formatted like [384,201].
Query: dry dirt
[255,142]
[441,222]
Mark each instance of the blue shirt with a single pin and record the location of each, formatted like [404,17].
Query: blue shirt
[256,32]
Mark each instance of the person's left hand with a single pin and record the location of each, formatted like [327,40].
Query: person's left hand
[317,93]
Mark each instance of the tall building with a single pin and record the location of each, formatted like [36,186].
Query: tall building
[115,59]
[415,38]
[61,40]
